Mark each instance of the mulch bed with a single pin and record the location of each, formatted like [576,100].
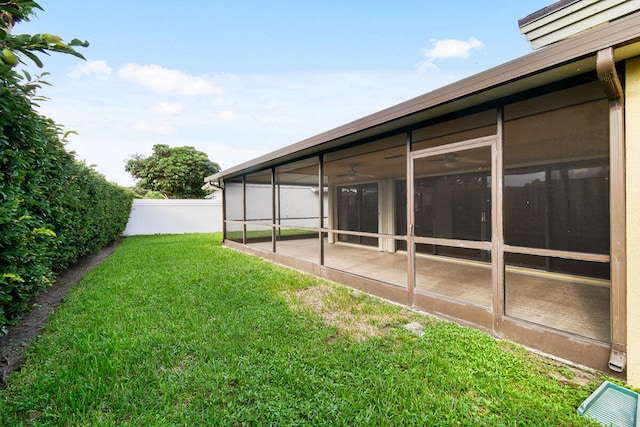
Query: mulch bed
[14,344]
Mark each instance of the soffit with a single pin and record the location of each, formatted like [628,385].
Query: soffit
[566,19]
[545,11]
[562,60]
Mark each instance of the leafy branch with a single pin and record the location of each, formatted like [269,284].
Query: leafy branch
[14,49]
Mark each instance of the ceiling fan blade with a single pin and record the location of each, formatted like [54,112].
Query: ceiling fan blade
[354,173]
[453,158]
[470,160]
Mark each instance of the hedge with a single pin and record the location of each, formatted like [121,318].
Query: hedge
[53,209]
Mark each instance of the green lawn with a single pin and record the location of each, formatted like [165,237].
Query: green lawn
[178,331]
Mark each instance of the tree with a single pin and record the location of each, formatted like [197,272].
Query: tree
[177,173]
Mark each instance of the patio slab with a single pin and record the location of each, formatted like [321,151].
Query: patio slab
[568,303]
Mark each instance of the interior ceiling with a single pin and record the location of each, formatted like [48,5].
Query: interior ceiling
[538,139]
[376,166]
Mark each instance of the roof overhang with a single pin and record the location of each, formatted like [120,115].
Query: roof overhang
[562,60]
[566,18]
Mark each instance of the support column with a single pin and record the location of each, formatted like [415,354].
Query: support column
[224,212]
[387,218]
[244,210]
[497,223]
[321,207]
[332,212]
[411,247]
[273,210]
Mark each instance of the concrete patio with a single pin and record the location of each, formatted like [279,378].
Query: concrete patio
[564,302]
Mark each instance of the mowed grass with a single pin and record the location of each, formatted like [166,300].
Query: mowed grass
[179,331]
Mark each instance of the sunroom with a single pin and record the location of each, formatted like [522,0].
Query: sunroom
[497,201]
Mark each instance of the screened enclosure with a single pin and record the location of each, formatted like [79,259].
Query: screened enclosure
[496,214]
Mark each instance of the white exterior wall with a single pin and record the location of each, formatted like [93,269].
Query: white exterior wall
[298,204]
[174,216]
[633,220]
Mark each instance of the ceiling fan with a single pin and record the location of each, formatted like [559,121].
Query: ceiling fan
[451,160]
[352,174]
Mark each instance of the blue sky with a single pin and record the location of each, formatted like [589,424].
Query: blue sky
[240,79]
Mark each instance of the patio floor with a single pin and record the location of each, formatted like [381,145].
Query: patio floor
[568,303]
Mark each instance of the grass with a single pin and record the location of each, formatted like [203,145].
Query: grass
[256,234]
[177,330]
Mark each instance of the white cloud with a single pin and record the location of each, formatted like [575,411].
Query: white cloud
[164,80]
[153,127]
[255,114]
[168,108]
[227,116]
[91,68]
[445,49]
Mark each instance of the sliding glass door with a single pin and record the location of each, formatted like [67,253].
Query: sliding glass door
[358,211]
[451,220]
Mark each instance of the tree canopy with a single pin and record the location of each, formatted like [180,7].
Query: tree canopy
[177,173]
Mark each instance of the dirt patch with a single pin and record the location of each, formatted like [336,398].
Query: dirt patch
[13,345]
[563,371]
[576,376]
[343,312]
[570,374]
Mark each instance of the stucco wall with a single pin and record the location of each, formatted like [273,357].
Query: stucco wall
[633,219]
[174,217]
[298,204]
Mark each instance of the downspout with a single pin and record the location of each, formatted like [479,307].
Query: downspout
[220,186]
[608,76]
[215,184]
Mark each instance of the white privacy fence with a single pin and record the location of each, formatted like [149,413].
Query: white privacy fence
[174,216]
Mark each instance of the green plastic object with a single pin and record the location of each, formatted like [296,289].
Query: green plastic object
[612,405]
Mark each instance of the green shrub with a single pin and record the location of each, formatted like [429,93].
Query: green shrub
[53,209]
[88,213]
